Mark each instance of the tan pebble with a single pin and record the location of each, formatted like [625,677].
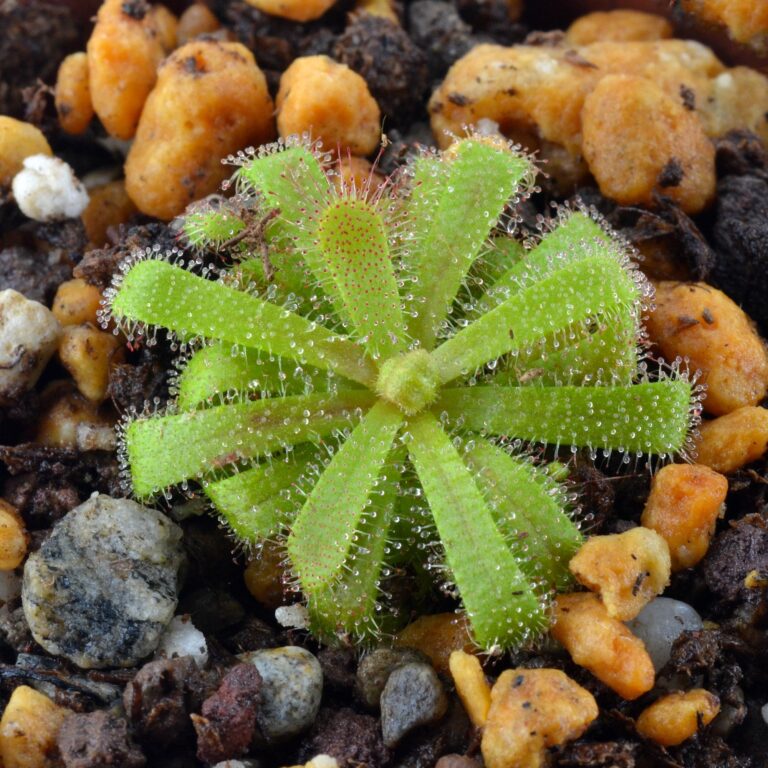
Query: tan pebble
[536,93]
[88,354]
[383,8]
[621,25]
[471,686]
[638,141]
[602,644]
[123,55]
[533,93]
[264,576]
[683,506]
[196,20]
[437,635]
[76,302]
[330,101]
[28,730]
[295,10]
[676,717]
[73,94]
[109,206]
[531,710]
[164,25]
[734,440]
[626,569]
[746,20]
[18,141]
[699,322]
[69,420]
[13,537]
[736,99]
[211,100]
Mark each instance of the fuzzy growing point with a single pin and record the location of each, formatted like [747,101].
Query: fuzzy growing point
[357,385]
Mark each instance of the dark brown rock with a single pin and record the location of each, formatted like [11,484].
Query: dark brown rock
[352,738]
[394,68]
[98,740]
[227,723]
[159,700]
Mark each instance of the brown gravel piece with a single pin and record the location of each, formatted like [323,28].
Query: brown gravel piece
[339,667]
[96,740]
[47,482]
[740,236]
[159,700]
[227,724]
[35,37]
[494,18]
[27,272]
[438,29]
[740,153]
[130,386]
[352,738]
[394,68]
[695,651]
[98,266]
[734,554]
[598,754]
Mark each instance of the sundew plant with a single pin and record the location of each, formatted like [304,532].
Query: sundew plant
[357,386]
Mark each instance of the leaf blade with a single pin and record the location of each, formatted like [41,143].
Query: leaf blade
[333,509]
[500,602]
[160,294]
[651,417]
[206,440]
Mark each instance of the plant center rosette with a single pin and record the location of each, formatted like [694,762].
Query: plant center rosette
[357,385]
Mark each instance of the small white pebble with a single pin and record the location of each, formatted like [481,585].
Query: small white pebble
[29,335]
[46,189]
[292,616]
[725,80]
[660,623]
[182,638]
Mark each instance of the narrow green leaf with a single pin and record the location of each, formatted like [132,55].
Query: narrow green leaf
[528,507]
[256,503]
[500,603]
[294,182]
[166,450]
[215,370]
[644,418]
[455,204]
[351,604]
[353,241]
[160,294]
[597,353]
[581,290]
[324,531]
[575,233]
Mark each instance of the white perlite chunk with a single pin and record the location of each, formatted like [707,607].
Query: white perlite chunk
[103,586]
[29,335]
[183,638]
[46,189]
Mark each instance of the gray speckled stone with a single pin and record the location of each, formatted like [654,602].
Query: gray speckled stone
[413,696]
[103,586]
[376,667]
[292,686]
[660,623]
